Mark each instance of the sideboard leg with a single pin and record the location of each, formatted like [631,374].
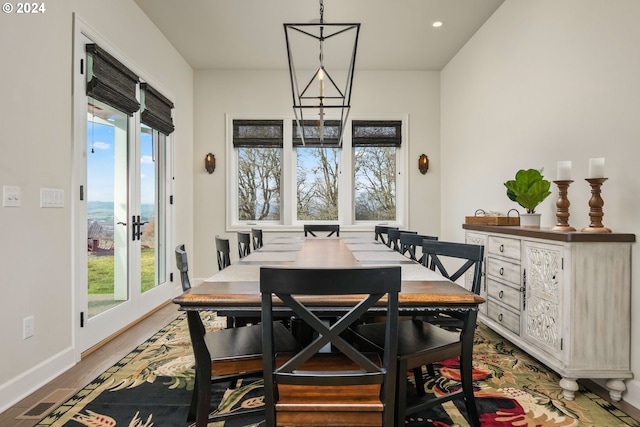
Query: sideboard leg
[616,387]
[569,387]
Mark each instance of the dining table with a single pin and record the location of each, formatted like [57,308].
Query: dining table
[235,290]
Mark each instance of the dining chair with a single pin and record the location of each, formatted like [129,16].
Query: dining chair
[222,253]
[224,355]
[183,267]
[341,387]
[244,244]
[421,343]
[394,238]
[311,229]
[382,233]
[410,242]
[256,237]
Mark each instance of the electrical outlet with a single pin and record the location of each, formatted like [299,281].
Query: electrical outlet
[27,327]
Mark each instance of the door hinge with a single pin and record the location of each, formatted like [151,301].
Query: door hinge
[81,66]
[171,277]
[82,319]
[562,264]
[171,199]
[561,343]
[82,192]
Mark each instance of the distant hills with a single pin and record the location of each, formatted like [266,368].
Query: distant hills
[103,211]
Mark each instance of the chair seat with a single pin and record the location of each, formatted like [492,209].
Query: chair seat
[356,405]
[420,341]
[239,350]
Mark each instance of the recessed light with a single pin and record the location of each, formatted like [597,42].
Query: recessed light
[437,24]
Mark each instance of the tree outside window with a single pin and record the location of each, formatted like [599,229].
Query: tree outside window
[375,146]
[259,144]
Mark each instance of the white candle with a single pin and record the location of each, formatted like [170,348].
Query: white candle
[596,167]
[564,170]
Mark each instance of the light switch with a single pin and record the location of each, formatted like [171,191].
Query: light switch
[51,198]
[10,195]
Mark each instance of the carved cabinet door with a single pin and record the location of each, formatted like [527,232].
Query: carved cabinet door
[478,239]
[542,282]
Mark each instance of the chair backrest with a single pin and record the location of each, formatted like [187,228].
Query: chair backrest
[394,237]
[382,233]
[410,242]
[256,236]
[313,228]
[222,253]
[183,267]
[244,244]
[436,252]
[290,285]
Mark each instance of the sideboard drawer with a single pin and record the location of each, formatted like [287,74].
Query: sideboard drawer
[502,315]
[504,246]
[506,294]
[504,270]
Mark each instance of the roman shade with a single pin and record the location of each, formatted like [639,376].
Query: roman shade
[378,133]
[258,133]
[110,81]
[312,131]
[156,109]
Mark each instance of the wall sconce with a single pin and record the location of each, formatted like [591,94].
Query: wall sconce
[210,163]
[423,164]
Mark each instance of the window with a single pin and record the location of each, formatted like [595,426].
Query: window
[318,170]
[259,154]
[281,183]
[375,145]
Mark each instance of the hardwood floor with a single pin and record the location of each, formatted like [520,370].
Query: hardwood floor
[93,364]
[100,359]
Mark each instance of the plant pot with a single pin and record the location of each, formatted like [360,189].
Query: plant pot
[530,220]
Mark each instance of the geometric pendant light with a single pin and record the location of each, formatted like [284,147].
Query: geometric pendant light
[321,63]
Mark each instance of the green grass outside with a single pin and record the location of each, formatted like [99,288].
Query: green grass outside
[100,272]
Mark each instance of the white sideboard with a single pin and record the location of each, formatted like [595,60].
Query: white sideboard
[563,297]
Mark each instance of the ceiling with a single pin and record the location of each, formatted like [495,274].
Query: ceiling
[248,34]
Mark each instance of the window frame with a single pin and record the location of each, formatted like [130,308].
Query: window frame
[346,216]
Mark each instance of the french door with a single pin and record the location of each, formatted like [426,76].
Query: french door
[121,210]
[125,198]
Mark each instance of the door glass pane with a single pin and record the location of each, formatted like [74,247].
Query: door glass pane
[152,206]
[375,183]
[317,183]
[106,195]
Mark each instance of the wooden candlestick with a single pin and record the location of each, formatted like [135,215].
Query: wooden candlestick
[562,213]
[596,203]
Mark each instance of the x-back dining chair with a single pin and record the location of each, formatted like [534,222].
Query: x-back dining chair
[223,253]
[421,343]
[312,229]
[256,237]
[344,387]
[382,233]
[183,267]
[224,355]
[244,244]
[394,238]
[411,242]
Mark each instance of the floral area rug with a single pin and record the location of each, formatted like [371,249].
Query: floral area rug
[152,386]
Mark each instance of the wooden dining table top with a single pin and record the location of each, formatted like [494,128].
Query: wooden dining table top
[238,286]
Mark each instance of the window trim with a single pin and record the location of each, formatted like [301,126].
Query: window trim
[346,217]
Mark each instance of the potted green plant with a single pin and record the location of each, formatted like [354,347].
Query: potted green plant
[528,189]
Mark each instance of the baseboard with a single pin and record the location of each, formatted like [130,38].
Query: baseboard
[632,395]
[16,389]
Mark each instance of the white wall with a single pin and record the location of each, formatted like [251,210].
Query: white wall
[375,93]
[544,81]
[35,152]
